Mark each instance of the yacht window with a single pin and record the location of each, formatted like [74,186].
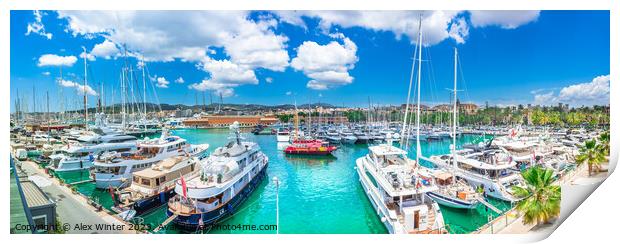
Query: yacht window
[136,179]
[146,182]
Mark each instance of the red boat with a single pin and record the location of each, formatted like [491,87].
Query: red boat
[310,147]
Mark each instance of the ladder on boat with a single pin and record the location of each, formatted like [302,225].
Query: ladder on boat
[489,205]
[166,222]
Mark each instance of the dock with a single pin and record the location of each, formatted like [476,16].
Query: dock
[166,222]
[74,208]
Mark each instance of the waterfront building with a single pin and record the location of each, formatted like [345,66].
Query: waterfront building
[222,121]
[468,108]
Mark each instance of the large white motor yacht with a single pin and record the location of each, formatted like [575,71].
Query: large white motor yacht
[115,169]
[397,188]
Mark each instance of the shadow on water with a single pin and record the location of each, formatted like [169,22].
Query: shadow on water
[311,159]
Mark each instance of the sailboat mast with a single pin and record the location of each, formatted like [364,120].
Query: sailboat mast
[17,108]
[296,122]
[144,92]
[34,104]
[47,96]
[417,119]
[454,119]
[84,90]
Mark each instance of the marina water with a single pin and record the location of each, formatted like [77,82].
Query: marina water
[316,194]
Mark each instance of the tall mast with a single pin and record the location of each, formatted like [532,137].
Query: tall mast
[34,104]
[144,91]
[62,99]
[84,91]
[405,130]
[47,95]
[17,108]
[454,119]
[417,119]
[124,90]
[123,98]
[296,122]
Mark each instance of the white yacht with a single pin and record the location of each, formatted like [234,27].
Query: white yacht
[81,155]
[229,176]
[283,135]
[115,169]
[347,136]
[452,191]
[153,186]
[397,188]
[40,138]
[333,136]
[492,170]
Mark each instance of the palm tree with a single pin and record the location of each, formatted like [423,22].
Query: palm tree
[541,199]
[591,154]
[604,143]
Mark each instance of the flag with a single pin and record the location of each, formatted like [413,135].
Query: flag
[184,185]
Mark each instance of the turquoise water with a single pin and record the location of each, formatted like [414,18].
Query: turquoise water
[316,194]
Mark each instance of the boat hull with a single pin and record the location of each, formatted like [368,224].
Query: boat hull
[349,140]
[451,202]
[107,181]
[144,205]
[283,138]
[73,165]
[191,222]
[316,152]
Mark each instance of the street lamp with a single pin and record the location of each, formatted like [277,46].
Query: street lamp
[275,181]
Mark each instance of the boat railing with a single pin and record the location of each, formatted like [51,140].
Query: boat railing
[181,205]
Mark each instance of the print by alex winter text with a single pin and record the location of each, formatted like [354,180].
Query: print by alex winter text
[274,122]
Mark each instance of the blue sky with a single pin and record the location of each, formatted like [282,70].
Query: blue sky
[341,57]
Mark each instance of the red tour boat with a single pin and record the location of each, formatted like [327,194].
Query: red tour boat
[310,147]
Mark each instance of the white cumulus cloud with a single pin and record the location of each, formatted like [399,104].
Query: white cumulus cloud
[327,65]
[161,82]
[179,80]
[595,92]
[80,88]
[55,60]
[436,24]
[106,49]
[191,36]
[224,76]
[37,26]
[507,19]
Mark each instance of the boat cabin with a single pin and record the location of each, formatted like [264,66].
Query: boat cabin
[163,172]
